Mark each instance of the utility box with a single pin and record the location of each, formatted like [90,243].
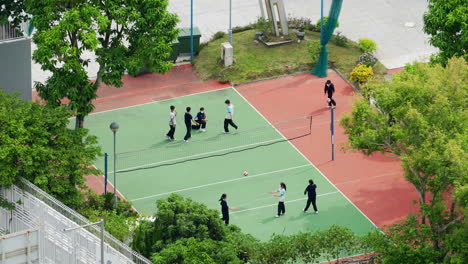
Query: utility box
[227,54]
[184,40]
[175,45]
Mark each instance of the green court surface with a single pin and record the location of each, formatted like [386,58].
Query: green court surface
[257,148]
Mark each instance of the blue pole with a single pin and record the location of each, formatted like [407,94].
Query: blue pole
[332,128]
[106,156]
[191,31]
[321,19]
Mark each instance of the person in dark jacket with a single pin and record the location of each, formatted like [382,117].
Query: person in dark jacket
[329,90]
[225,208]
[188,124]
[200,118]
[312,196]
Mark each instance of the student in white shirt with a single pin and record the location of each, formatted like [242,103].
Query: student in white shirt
[281,193]
[172,123]
[228,120]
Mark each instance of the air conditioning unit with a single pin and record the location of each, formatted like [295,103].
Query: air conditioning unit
[227,54]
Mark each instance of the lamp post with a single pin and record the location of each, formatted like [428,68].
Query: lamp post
[230,22]
[114,127]
[191,31]
[101,224]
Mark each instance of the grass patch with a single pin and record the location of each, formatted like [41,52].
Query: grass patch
[254,61]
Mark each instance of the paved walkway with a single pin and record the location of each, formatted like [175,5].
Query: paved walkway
[380,20]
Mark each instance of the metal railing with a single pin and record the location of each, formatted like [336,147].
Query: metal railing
[35,208]
[8,32]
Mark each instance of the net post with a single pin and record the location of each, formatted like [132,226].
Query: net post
[310,125]
[332,132]
[106,156]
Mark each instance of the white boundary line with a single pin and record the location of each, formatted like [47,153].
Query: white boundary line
[292,201]
[220,182]
[131,106]
[195,155]
[292,145]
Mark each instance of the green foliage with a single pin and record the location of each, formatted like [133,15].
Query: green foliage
[299,24]
[447,23]
[244,28]
[340,40]
[124,37]
[314,47]
[264,26]
[421,118]
[361,74]
[367,59]
[35,143]
[337,241]
[218,35]
[277,250]
[367,45]
[325,21]
[12,12]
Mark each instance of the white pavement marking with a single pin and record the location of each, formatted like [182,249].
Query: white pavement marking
[221,182]
[311,163]
[269,205]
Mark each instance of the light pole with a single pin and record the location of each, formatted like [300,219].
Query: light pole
[191,31]
[101,223]
[114,127]
[230,22]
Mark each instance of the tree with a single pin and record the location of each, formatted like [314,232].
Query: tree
[123,35]
[447,23]
[12,12]
[420,116]
[35,143]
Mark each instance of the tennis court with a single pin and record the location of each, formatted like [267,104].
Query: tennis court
[150,167]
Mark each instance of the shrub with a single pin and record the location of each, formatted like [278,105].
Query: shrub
[325,21]
[300,24]
[367,45]
[218,35]
[340,40]
[314,47]
[367,59]
[263,25]
[242,29]
[361,73]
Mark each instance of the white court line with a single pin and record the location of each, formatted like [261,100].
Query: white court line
[311,163]
[292,201]
[196,155]
[215,183]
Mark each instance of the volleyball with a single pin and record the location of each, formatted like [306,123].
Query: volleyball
[245,173]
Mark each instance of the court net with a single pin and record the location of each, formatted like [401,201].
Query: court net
[174,152]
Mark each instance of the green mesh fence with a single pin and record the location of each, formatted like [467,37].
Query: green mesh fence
[321,67]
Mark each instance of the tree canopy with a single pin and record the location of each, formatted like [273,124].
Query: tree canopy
[420,116]
[35,143]
[125,36]
[447,23]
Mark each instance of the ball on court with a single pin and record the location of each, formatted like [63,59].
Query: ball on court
[245,173]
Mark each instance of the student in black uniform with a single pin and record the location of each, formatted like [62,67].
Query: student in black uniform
[201,120]
[329,90]
[188,123]
[225,209]
[310,190]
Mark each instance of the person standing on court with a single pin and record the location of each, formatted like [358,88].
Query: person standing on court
[188,118]
[200,118]
[225,209]
[172,123]
[229,119]
[281,193]
[312,196]
[329,90]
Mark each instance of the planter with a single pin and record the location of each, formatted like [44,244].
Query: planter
[300,35]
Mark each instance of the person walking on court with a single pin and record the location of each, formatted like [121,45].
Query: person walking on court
[281,193]
[229,119]
[225,209]
[329,90]
[188,118]
[312,196]
[172,123]
[200,118]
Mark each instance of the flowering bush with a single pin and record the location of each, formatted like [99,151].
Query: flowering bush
[361,73]
[367,59]
[367,45]
[300,23]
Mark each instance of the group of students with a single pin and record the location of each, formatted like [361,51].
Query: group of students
[310,190]
[199,122]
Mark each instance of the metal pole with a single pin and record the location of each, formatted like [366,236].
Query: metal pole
[102,241]
[321,18]
[106,157]
[191,31]
[230,22]
[332,128]
[115,179]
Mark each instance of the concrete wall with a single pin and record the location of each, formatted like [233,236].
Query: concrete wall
[15,67]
